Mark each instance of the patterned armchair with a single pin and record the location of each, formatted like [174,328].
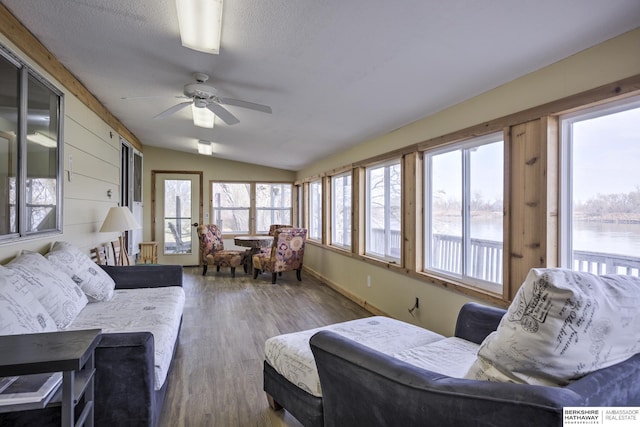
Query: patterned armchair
[272,232]
[286,253]
[212,250]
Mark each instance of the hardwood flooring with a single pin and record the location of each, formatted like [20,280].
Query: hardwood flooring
[216,379]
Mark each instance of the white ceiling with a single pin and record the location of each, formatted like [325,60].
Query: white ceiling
[336,73]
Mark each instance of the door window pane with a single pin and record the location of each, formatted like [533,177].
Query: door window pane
[177,220]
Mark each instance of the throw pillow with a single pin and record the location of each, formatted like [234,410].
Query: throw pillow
[562,325]
[93,280]
[20,310]
[57,293]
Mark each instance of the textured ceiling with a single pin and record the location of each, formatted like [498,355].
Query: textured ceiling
[335,73]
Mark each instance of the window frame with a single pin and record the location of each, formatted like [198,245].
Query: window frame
[565,233]
[253,209]
[217,211]
[464,277]
[25,72]
[315,212]
[386,164]
[347,215]
[274,209]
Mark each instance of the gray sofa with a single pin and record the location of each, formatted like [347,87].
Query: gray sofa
[125,392]
[363,387]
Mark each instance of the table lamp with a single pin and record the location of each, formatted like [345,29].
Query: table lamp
[120,219]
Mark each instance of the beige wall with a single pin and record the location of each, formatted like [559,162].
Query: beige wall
[95,151]
[213,169]
[394,293]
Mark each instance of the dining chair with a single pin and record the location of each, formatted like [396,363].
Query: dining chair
[148,252]
[274,227]
[286,254]
[212,250]
[117,259]
[100,255]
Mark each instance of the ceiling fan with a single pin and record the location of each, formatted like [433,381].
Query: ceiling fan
[203,95]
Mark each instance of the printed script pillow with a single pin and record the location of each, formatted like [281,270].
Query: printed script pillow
[561,325]
[93,280]
[57,293]
[20,310]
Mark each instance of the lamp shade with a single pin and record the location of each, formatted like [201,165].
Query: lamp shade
[119,219]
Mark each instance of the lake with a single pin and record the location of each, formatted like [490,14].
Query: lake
[619,239]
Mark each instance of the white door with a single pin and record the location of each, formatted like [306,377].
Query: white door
[177,208]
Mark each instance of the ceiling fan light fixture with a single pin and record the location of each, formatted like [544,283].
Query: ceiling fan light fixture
[202,116]
[200,24]
[204,147]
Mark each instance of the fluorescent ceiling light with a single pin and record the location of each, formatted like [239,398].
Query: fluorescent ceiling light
[204,147]
[42,139]
[200,24]
[202,116]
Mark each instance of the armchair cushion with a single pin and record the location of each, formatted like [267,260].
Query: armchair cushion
[561,326]
[225,258]
[212,249]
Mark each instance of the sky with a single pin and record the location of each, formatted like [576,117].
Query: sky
[606,155]
[606,159]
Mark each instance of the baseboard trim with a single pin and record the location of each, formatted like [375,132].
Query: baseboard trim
[346,293]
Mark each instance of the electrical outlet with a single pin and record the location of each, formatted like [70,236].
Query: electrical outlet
[368,281]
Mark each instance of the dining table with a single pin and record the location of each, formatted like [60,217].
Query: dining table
[255,244]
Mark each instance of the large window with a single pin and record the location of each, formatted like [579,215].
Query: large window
[384,211]
[273,205]
[30,188]
[464,200]
[601,189]
[315,210]
[231,203]
[234,204]
[341,210]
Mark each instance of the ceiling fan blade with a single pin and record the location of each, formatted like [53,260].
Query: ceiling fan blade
[245,104]
[223,113]
[156,96]
[173,110]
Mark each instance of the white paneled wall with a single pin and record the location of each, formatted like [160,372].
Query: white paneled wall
[94,148]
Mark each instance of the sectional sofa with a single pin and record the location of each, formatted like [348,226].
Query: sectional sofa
[568,339]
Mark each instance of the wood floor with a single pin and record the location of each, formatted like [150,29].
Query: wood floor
[217,374]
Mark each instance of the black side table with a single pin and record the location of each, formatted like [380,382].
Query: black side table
[69,352]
